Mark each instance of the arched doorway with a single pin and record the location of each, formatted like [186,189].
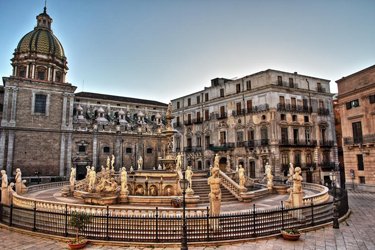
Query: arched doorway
[223,163]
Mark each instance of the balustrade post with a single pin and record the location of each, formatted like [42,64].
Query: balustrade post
[11,215]
[208,224]
[312,212]
[34,226]
[66,220]
[282,215]
[107,231]
[157,224]
[254,215]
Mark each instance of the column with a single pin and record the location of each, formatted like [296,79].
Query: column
[27,71]
[2,147]
[14,107]
[117,153]
[33,71]
[69,154]
[62,154]
[10,152]
[94,150]
[71,102]
[4,121]
[49,74]
[63,118]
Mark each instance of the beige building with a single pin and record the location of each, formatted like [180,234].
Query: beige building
[356,99]
[47,128]
[270,116]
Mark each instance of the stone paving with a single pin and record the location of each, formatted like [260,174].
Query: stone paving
[357,232]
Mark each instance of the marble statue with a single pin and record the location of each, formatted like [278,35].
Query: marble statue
[92,179]
[160,167]
[178,162]
[140,163]
[131,169]
[269,176]
[112,163]
[216,161]
[124,180]
[215,197]
[297,180]
[88,169]
[72,178]
[108,166]
[4,188]
[228,168]
[18,179]
[189,177]
[296,195]
[291,172]
[241,176]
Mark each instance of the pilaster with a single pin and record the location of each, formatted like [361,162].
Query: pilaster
[10,152]
[4,121]
[14,107]
[62,154]
[3,134]
[71,102]
[69,154]
[94,150]
[63,118]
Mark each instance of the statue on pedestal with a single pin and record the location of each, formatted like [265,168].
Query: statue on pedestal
[124,180]
[140,163]
[113,163]
[189,177]
[18,179]
[215,197]
[92,179]
[4,188]
[291,172]
[178,162]
[269,176]
[241,176]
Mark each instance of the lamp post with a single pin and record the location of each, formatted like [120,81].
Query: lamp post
[335,224]
[183,185]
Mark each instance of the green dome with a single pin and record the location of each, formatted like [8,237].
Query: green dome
[41,40]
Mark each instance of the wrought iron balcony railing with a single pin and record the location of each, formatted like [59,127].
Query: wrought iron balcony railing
[323,111]
[259,108]
[292,108]
[326,143]
[297,143]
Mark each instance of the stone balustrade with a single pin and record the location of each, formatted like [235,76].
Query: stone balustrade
[231,185]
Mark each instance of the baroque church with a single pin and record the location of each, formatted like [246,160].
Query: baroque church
[47,128]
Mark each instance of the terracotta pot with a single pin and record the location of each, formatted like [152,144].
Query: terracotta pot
[77,245]
[288,236]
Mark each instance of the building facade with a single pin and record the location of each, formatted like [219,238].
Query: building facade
[356,100]
[47,128]
[270,116]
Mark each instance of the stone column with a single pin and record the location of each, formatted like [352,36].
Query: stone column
[63,118]
[4,121]
[14,108]
[71,102]
[49,74]
[94,150]
[69,154]
[2,147]
[33,71]
[27,71]
[10,152]
[62,154]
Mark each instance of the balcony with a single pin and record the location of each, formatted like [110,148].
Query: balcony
[198,120]
[257,109]
[241,144]
[297,143]
[238,112]
[323,111]
[249,144]
[223,115]
[360,140]
[292,108]
[327,166]
[221,147]
[192,149]
[188,123]
[320,89]
[326,143]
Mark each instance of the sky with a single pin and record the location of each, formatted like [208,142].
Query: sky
[164,49]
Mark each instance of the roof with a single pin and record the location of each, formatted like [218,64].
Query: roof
[358,72]
[119,98]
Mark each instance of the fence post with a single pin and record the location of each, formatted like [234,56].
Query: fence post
[282,215]
[254,232]
[66,220]
[11,215]
[312,212]
[157,224]
[208,224]
[34,226]
[107,223]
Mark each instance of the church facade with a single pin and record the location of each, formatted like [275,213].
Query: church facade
[47,128]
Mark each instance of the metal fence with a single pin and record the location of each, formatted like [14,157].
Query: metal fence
[158,227]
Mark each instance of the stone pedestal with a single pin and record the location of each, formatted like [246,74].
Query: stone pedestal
[297,201]
[4,196]
[123,197]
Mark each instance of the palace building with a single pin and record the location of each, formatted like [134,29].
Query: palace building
[47,128]
[270,116]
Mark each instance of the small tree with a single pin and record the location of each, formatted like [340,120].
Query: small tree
[79,220]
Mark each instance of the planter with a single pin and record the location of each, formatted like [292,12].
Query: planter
[78,245]
[290,234]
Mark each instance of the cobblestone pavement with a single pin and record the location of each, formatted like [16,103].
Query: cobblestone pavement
[357,232]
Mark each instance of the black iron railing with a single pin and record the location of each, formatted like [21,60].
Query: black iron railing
[297,143]
[155,227]
[292,108]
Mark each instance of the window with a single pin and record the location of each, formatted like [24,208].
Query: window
[178,121]
[206,97]
[198,99]
[41,73]
[189,119]
[279,81]
[308,158]
[293,101]
[238,88]
[372,98]
[22,71]
[207,141]
[188,142]
[189,101]
[264,135]
[326,156]
[178,143]
[323,134]
[362,180]
[306,118]
[149,150]
[360,162]
[284,135]
[222,111]
[223,137]
[249,105]
[82,149]
[221,92]
[250,135]
[58,76]
[357,132]
[198,116]
[352,104]
[128,150]
[291,83]
[297,158]
[294,118]
[106,149]
[283,117]
[239,136]
[295,136]
[206,115]
[238,108]
[199,141]
[178,105]
[282,101]
[248,85]
[307,135]
[40,103]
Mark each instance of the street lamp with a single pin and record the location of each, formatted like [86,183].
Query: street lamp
[184,184]
[335,224]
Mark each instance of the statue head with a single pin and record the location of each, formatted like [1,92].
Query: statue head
[3,172]
[93,168]
[297,170]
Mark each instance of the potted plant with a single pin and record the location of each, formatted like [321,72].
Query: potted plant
[78,220]
[290,234]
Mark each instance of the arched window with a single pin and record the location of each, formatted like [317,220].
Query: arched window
[58,76]
[41,73]
[22,71]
